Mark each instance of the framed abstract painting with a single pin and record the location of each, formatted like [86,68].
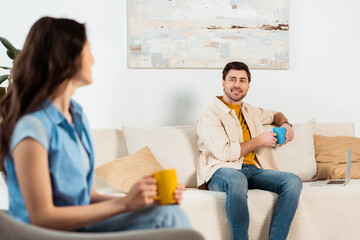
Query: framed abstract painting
[208,33]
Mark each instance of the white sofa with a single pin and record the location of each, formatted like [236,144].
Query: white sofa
[329,212]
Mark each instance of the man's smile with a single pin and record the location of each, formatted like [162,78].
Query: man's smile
[236,91]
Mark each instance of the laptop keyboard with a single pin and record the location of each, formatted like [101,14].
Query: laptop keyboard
[336,182]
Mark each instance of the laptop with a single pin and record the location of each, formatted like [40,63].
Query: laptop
[337,182]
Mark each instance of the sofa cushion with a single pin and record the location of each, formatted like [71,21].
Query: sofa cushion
[173,147]
[322,213]
[123,173]
[298,155]
[330,154]
[4,199]
[332,129]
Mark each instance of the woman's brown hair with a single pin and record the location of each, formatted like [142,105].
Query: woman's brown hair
[50,56]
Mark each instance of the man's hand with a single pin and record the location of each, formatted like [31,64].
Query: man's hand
[289,135]
[267,139]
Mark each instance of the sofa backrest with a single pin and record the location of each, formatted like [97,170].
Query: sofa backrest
[110,144]
[335,129]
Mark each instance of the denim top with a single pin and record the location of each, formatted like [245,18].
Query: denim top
[71,182]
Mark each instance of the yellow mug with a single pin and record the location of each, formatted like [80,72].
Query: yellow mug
[166,182]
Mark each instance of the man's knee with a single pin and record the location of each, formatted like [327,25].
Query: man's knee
[228,179]
[294,184]
[238,184]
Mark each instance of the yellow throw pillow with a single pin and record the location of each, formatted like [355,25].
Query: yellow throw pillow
[330,155]
[123,173]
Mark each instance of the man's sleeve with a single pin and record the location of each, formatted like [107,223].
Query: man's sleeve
[266,116]
[212,133]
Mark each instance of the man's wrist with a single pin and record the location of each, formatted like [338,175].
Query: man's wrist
[288,123]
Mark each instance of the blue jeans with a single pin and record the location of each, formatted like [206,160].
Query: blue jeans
[153,216]
[235,183]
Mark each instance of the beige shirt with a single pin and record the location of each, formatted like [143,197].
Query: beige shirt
[220,134]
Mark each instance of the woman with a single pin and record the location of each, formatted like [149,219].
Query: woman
[46,147]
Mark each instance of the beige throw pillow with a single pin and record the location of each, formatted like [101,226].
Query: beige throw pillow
[123,173]
[298,155]
[330,154]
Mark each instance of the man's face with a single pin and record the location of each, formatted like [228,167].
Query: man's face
[236,86]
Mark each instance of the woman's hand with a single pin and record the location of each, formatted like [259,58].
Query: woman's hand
[178,194]
[141,194]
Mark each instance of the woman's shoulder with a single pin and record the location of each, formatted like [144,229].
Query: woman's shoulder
[29,120]
[30,126]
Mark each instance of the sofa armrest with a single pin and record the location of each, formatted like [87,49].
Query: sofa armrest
[12,229]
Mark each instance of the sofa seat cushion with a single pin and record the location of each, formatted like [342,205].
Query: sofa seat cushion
[314,219]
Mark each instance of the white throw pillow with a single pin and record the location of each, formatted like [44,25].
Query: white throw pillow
[298,156]
[173,147]
[4,197]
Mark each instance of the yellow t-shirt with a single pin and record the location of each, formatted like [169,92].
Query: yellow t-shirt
[250,158]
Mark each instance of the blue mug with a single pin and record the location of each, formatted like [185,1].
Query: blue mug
[280,134]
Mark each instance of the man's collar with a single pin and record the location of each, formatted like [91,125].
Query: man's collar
[217,101]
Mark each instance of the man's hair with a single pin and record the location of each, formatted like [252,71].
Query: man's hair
[236,66]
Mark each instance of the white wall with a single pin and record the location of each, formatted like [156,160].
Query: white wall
[322,81]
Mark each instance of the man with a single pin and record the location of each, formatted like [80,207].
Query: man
[237,155]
